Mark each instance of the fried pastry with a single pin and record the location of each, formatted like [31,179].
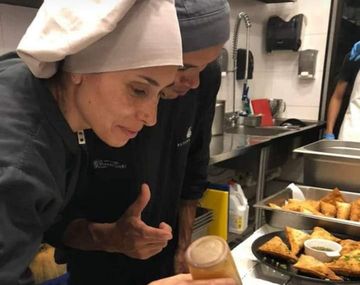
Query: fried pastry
[349,245]
[312,204]
[306,203]
[333,196]
[276,247]
[348,264]
[307,209]
[319,232]
[292,205]
[296,239]
[309,264]
[355,211]
[304,206]
[328,209]
[343,210]
[274,206]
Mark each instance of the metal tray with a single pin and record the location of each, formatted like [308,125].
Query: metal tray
[280,218]
[330,163]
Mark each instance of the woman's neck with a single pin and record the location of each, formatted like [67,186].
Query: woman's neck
[64,95]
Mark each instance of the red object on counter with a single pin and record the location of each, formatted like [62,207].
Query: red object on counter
[262,106]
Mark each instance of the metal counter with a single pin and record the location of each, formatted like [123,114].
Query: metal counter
[230,145]
[241,140]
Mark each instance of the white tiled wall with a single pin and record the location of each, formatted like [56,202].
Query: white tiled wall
[275,74]
[13,23]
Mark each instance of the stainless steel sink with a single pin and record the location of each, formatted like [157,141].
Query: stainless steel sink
[257,131]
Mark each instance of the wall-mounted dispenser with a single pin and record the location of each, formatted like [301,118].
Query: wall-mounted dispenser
[241,64]
[307,63]
[284,35]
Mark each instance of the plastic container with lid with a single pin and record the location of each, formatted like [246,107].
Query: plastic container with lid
[238,210]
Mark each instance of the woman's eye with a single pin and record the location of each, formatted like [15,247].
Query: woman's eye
[139,92]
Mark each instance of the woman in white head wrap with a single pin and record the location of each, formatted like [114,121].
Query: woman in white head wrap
[117,56]
[98,56]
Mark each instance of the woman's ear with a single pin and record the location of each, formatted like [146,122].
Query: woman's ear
[76,78]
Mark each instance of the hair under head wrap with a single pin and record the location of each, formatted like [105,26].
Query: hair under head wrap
[203,23]
[102,35]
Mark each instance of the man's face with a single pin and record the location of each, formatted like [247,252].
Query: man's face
[187,76]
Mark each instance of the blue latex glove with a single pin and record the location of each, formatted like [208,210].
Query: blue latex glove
[355,52]
[329,136]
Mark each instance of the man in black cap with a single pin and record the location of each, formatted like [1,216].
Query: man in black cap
[171,158]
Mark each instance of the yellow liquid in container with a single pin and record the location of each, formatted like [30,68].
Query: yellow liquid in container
[210,257]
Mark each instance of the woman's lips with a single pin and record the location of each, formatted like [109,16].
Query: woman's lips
[131,134]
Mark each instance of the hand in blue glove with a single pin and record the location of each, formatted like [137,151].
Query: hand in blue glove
[329,136]
[355,52]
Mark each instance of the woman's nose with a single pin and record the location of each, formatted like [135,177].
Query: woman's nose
[149,113]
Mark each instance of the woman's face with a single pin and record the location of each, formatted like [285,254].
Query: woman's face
[116,105]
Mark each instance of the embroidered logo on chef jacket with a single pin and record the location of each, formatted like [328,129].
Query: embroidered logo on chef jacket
[189,132]
[187,139]
[101,164]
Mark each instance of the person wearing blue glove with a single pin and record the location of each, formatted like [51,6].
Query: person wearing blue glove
[329,136]
[355,52]
[349,77]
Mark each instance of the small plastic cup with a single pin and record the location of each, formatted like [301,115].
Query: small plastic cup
[322,249]
[209,257]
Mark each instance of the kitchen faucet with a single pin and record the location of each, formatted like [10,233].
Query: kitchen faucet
[246,104]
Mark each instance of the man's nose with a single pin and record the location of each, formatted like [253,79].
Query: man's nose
[192,82]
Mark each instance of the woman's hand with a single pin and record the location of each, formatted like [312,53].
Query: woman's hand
[186,279]
[129,235]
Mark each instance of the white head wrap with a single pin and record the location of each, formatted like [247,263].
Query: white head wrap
[101,35]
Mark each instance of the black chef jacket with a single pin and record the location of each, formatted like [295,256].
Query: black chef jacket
[172,158]
[38,165]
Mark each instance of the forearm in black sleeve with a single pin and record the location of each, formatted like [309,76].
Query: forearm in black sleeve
[195,181]
[54,235]
[27,207]
[74,209]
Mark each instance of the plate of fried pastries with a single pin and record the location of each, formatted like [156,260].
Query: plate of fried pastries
[284,251]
